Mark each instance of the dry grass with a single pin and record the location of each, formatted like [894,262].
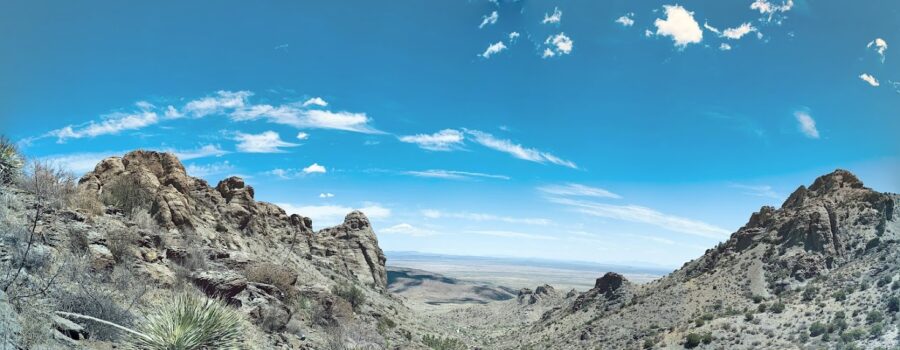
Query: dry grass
[276,275]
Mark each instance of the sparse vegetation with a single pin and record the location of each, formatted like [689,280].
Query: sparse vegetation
[10,161]
[99,303]
[126,193]
[692,340]
[276,275]
[893,304]
[350,293]
[777,307]
[816,329]
[442,343]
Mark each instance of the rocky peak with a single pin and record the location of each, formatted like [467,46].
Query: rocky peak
[610,283]
[526,295]
[826,185]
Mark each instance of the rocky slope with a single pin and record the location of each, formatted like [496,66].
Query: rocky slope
[829,255]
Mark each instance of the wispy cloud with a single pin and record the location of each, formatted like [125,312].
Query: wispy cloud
[758,190]
[204,170]
[329,215]
[409,230]
[453,174]
[315,101]
[326,195]
[771,10]
[572,189]
[266,142]
[511,234]
[493,49]
[513,36]
[444,140]
[552,18]
[869,79]
[110,124]
[644,215]
[489,19]
[679,25]
[517,150]
[626,20]
[437,214]
[302,118]
[79,163]
[806,124]
[202,152]
[219,103]
[302,136]
[880,46]
[732,33]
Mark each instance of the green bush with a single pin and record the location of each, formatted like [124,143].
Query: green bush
[190,322]
[810,293]
[692,340]
[853,335]
[839,295]
[758,299]
[350,293]
[895,285]
[442,343]
[876,330]
[10,161]
[874,317]
[883,281]
[816,329]
[893,304]
[777,307]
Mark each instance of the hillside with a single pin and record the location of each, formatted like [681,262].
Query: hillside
[819,272]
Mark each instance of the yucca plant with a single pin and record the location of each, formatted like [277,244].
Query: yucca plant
[190,322]
[10,161]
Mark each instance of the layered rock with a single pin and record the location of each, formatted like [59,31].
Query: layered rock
[356,245]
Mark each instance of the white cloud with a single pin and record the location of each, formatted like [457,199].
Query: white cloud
[767,8]
[79,163]
[444,140]
[513,36]
[315,101]
[220,103]
[314,168]
[490,19]
[453,174]
[559,44]
[111,124]
[516,150]
[480,217]
[724,47]
[302,136]
[330,215]
[644,215]
[266,142]
[806,124]
[556,17]
[326,195]
[209,169]
[511,234]
[738,32]
[680,25]
[407,229]
[626,20]
[758,190]
[880,47]
[869,79]
[294,116]
[202,152]
[493,49]
[573,189]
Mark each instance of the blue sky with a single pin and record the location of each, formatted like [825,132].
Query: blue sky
[607,131]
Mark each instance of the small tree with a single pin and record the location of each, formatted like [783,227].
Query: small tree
[816,329]
[692,340]
[893,304]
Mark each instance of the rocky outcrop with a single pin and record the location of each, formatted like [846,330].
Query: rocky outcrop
[219,284]
[354,245]
[529,297]
[227,217]
[609,289]
[10,329]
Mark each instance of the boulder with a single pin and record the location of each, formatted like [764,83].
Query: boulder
[219,284]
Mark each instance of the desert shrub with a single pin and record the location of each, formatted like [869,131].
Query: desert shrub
[893,304]
[777,307]
[706,338]
[874,317]
[126,193]
[121,243]
[190,322]
[839,295]
[895,285]
[98,303]
[853,335]
[649,343]
[442,343]
[35,330]
[809,293]
[51,186]
[876,330]
[757,299]
[10,161]
[142,218]
[87,202]
[692,340]
[384,324]
[78,241]
[884,280]
[803,337]
[279,276]
[762,308]
[350,293]
[748,317]
[699,322]
[816,329]
[32,257]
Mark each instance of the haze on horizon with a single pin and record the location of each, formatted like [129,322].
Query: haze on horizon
[615,132]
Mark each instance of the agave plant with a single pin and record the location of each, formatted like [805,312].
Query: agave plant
[190,322]
[10,161]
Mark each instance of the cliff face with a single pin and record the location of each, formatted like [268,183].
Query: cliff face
[229,218]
